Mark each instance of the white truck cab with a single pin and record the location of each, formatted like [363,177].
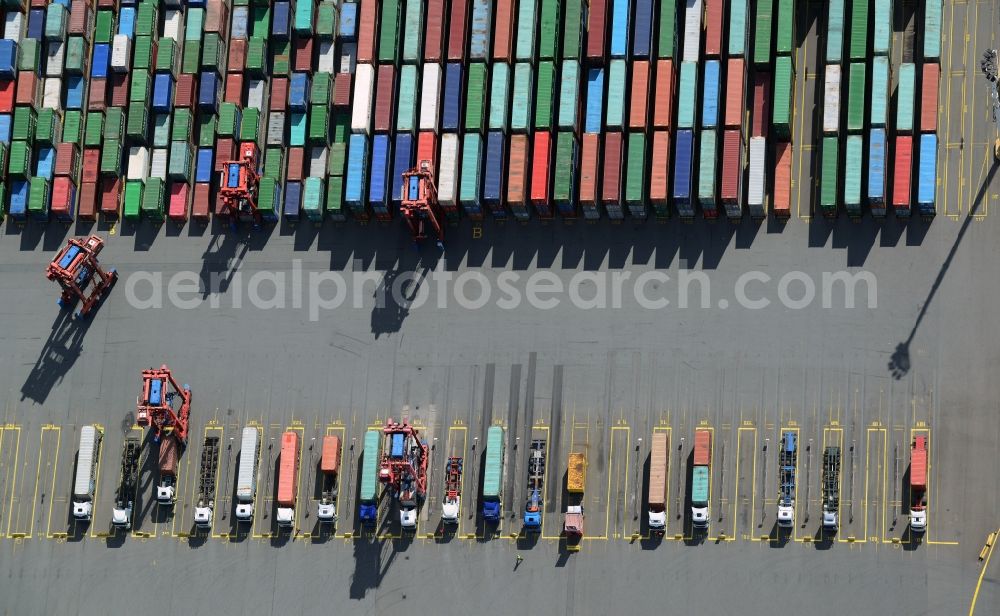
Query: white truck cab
[122,518]
[449,511]
[786,515]
[657,520]
[165,495]
[408,516]
[203,517]
[244,512]
[918,520]
[326,512]
[830,522]
[699,516]
[285,517]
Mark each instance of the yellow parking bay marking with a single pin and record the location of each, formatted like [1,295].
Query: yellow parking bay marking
[666,506]
[834,435]
[10,451]
[48,450]
[341,430]
[749,428]
[881,438]
[457,443]
[52,486]
[217,510]
[137,432]
[982,573]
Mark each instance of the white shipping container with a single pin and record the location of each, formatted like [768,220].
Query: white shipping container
[831,99]
[173,22]
[317,161]
[430,97]
[755,191]
[13,26]
[138,163]
[158,166]
[361,109]
[255,94]
[55,58]
[276,128]
[692,30]
[327,58]
[246,478]
[121,53]
[90,440]
[348,58]
[52,93]
[448,174]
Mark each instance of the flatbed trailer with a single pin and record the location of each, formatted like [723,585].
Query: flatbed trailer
[204,511]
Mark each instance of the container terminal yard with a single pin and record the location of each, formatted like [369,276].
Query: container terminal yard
[573,363]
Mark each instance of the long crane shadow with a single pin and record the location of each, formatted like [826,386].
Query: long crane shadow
[899,363]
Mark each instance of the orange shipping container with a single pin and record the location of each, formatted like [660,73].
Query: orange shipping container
[296,162]
[517,180]
[503,34]
[611,190]
[186,91]
[367,20]
[119,85]
[901,174]
[237,55]
[385,97]
[435,28]
[303,53]
[234,89]
[589,151]
[540,168]
[330,462]
[732,167]
[659,167]
[427,149]
[87,209]
[457,28]
[279,93]
[288,468]
[97,99]
[216,16]
[782,179]
[596,29]
[713,27]
[735,89]
[640,94]
[929,97]
[702,447]
[663,98]
[111,191]
[200,203]
[27,88]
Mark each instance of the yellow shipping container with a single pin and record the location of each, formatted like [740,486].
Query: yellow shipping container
[577,478]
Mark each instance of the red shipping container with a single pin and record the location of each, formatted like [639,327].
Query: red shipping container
[385,97]
[702,447]
[590,149]
[80,16]
[433,33]
[713,27]
[659,167]
[782,179]
[97,99]
[91,165]
[540,167]
[200,202]
[427,148]
[119,89]
[107,4]
[456,29]
[611,190]
[37,4]
[67,159]
[186,91]
[503,33]
[735,88]
[111,193]
[225,150]
[759,120]
[302,54]
[7,89]
[732,167]
[902,170]
[596,29]
[278,96]
[234,89]
[27,89]
[342,90]
[517,178]
[296,161]
[663,98]
[63,197]
[177,203]
[237,55]
[86,209]
[640,94]
[216,16]
[929,97]
[367,20]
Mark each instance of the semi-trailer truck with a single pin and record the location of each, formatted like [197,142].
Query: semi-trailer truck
[86,472]
[368,504]
[658,484]
[831,488]
[204,511]
[121,514]
[329,466]
[918,484]
[576,481]
[288,472]
[451,504]
[246,478]
[700,493]
[788,457]
[166,489]
[535,489]
[493,474]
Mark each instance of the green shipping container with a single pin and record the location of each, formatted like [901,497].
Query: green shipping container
[111,157]
[835,32]
[544,98]
[133,200]
[880,90]
[55,22]
[229,115]
[161,130]
[828,175]
[859,29]
[784,96]
[114,123]
[549,35]
[635,169]
[852,174]
[319,124]
[904,97]
[195,23]
[699,486]
[303,18]
[337,160]
[856,97]
[413,31]
[762,32]
[181,161]
[94,132]
[29,54]
[270,199]
[932,29]
[72,126]
[256,56]
[475,95]
[472,169]
[737,27]
[326,20]
[335,199]
[493,471]
[250,125]
[38,196]
[206,130]
[297,125]
[499,96]
[312,198]
[49,129]
[191,57]
[321,88]
[140,86]
[137,126]
[274,163]
[666,44]
[785,39]
[146,19]
[341,123]
[282,58]
[260,17]
[369,469]
[388,48]
[569,93]
[614,114]
[19,164]
[152,199]
[166,57]
[183,125]
[574,31]
[520,109]
[527,15]
[24,124]
[104,26]
[143,51]
[882,40]
[76,55]
[565,163]
[409,92]
[706,168]
[687,104]
[212,52]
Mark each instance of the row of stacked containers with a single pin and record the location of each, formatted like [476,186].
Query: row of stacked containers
[127,108]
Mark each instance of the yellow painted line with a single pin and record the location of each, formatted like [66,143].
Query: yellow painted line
[52,488]
[942,201]
[618,480]
[215,497]
[835,434]
[7,428]
[711,468]
[262,501]
[753,475]
[330,430]
[868,440]
[182,481]
[670,440]
[793,427]
[972,130]
[38,474]
[982,574]
[13,489]
[136,431]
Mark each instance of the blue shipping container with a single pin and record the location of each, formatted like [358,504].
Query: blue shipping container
[126,21]
[378,188]
[876,167]
[643,28]
[619,28]
[479,37]
[76,88]
[163,93]
[46,160]
[710,106]
[298,92]
[357,170]
[203,167]
[348,27]
[293,200]
[682,167]
[401,161]
[927,180]
[495,173]
[5,124]
[100,60]
[451,118]
[241,18]
[18,199]
[595,100]
[208,91]
[281,23]
[8,58]
[36,24]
